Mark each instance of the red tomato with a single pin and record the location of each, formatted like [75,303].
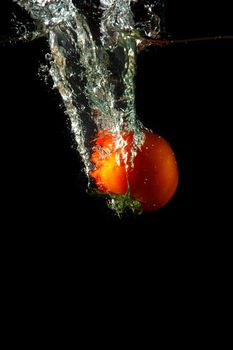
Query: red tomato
[152,180]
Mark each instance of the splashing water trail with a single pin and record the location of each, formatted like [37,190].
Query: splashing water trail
[93,65]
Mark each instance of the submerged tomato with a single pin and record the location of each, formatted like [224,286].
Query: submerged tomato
[152,180]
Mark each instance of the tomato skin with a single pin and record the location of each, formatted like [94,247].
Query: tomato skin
[111,177]
[110,172]
[154,178]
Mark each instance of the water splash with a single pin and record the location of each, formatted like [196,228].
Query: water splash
[93,64]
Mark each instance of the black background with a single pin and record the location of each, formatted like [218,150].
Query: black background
[184,93]
[62,249]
